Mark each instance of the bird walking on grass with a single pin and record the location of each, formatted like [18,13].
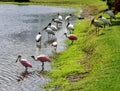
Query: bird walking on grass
[24,62]
[42,58]
[71,37]
[111,14]
[105,20]
[97,24]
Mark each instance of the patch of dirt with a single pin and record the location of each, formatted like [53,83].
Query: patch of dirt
[89,11]
[77,76]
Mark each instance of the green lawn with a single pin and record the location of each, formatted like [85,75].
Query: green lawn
[92,63]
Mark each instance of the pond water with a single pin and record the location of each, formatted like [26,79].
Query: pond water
[19,24]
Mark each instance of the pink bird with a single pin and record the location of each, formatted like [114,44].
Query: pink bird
[24,62]
[43,58]
[54,44]
[72,37]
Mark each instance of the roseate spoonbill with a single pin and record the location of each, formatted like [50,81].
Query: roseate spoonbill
[104,20]
[49,31]
[60,17]
[67,18]
[42,58]
[72,37]
[53,27]
[110,13]
[38,37]
[54,44]
[24,62]
[70,27]
[97,24]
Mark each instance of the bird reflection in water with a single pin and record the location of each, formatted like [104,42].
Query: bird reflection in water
[24,75]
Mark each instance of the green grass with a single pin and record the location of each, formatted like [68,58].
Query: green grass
[98,56]
[92,63]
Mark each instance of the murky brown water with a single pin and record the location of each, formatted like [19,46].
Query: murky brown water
[18,28]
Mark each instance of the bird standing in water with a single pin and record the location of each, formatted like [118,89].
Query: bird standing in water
[24,62]
[54,44]
[38,38]
[42,58]
[70,27]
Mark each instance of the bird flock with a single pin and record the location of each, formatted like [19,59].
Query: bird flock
[55,25]
[50,29]
[97,22]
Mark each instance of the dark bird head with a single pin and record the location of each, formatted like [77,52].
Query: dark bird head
[19,57]
[70,14]
[100,16]
[105,10]
[39,32]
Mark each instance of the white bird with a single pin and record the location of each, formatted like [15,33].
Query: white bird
[38,37]
[53,27]
[97,24]
[67,18]
[49,31]
[60,17]
[58,22]
[110,13]
[105,20]
[70,27]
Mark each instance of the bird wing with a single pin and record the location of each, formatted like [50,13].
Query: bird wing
[38,37]
[25,63]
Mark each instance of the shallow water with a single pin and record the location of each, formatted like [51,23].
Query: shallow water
[18,27]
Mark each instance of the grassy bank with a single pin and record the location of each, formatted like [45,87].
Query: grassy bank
[92,63]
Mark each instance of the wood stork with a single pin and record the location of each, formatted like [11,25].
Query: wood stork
[24,62]
[42,58]
[38,37]
[105,21]
[110,13]
[53,27]
[67,18]
[49,31]
[71,37]
[57,21]
[70,27]
[60,17]
[97,24]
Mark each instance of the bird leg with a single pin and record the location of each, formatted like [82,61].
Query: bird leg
[72,42]
[42,66]
[26,69]
[110,19]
